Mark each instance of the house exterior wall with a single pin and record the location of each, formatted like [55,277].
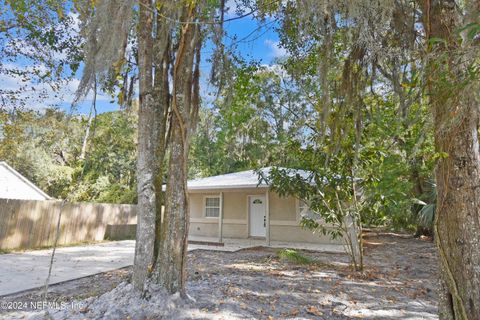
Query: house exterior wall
[13,186]
[282,209]
[235,213]
[284,216]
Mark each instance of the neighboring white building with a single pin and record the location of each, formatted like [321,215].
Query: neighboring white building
[15,186]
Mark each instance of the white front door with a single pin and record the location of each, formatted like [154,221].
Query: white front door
[257,210]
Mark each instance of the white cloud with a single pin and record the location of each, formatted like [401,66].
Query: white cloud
[277,69]
[70,89]
[275,50]
[41,95]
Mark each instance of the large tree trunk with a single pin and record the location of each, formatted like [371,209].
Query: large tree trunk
[161,124]
[171,260]
[457,226]
[146,151]
[162,99]
[458,218]
[171,263]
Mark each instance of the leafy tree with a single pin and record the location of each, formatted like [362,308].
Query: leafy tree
[452,86]
[207,159]
[169,36]
[250,126]
[341,72]
[37,49]
[444,42]
[345,188]
[39,146]
[45,148]
[107,174]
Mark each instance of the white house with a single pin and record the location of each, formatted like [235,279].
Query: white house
[15,186]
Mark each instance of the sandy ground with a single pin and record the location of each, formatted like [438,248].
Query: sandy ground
[27,270]
[399,282]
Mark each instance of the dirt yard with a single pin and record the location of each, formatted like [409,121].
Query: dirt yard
[399,283]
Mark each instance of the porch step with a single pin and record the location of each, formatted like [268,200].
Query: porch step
[207,243]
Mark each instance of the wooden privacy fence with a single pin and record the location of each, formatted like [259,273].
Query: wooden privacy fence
[32,223]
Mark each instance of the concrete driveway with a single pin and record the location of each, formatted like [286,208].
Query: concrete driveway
[28,270]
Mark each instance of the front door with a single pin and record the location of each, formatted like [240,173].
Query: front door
[257,210]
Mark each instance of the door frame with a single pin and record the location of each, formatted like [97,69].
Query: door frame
[249,221]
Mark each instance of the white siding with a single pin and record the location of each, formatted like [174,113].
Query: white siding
[15,186]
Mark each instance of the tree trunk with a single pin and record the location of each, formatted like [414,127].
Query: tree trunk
[171,263]
[162,97]
[458,217]
[93,109]
[146,151]
[353,232]
[455,111]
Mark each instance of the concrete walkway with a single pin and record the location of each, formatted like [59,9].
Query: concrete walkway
[238,244]
[28,270]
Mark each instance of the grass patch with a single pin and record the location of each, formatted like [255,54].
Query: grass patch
[293,256]
[4,251]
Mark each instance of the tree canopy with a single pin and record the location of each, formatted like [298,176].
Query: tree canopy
[377,100]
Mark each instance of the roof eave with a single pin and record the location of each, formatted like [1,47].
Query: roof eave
[217,187]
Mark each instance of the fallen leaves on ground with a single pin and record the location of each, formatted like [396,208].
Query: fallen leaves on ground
[314,310]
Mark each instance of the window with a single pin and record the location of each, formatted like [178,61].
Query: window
[212,207]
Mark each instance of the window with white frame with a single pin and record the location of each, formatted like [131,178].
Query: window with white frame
[212,207]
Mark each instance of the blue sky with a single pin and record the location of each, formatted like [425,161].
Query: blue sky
[254,41]
[259,44]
